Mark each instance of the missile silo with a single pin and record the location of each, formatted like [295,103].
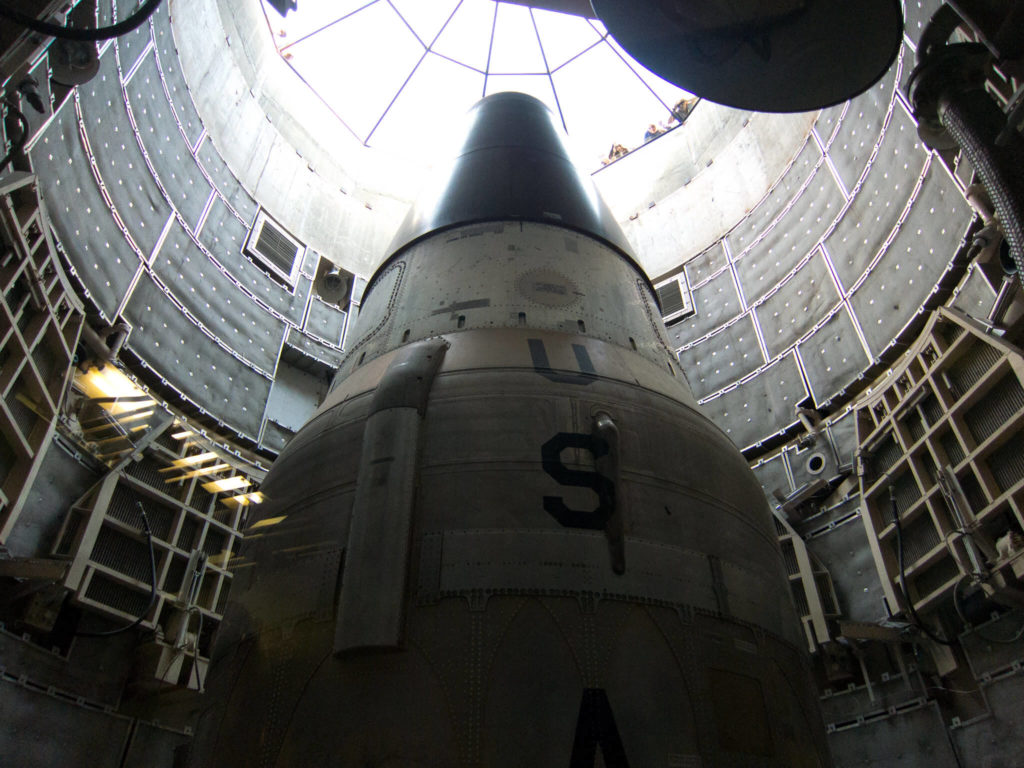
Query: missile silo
[508,537]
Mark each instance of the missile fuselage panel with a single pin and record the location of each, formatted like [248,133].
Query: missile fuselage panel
[509,538]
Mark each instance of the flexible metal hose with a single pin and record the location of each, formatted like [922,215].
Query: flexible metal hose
[974,121]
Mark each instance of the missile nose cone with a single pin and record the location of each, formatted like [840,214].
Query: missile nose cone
[513,164]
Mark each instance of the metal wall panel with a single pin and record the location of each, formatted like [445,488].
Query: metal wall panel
[41,730]
[313,348]
[843,432]
[974,296]
[917,257]
[827,124]
[193,363]
[171,157]
[705,264]
[176,89]
[722,359]
[130,46]
[916,739]
[797,233]
[857,586]
[798,459]
[830,516]
[223,235]
[747,231]
[154,747]
[832,357]
[861,126]
[325,321]
[95,245]
[867,223]
[772,475]
[916,14]
[119,158]
[998,740]
[760,407]
[105,12]
[797,306]
[715,302]
[217,303]
[227,185]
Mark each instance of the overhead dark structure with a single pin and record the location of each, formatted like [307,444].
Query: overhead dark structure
[761,55]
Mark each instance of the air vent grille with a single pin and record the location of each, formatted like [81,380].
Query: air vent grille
[674,298]
[275,247]
[275,250]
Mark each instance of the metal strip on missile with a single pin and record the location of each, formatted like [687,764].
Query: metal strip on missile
[372,599]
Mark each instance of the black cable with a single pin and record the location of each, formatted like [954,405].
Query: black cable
[958,605]
[85,35]
[195,655]
[903,574]
[16,146]
[152,585]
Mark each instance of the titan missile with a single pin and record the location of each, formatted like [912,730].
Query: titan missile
[508,537]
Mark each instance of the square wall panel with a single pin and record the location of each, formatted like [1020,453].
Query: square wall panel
[760,407]
[832,357]
[216,302]
[906,274]
[773,257]
[119,160]
[797,306]
[720,360]
[704,265]
[193,363]
[765,212]
[714,303]
[879,203]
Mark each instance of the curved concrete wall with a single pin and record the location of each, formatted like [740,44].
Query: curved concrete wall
[819,281]
[846,227]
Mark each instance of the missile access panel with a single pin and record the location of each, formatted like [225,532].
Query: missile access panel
[508,537]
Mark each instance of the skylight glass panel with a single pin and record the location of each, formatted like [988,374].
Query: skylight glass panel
[668,93]
[563,36]
[315,15]
[334,63]
[426,17]
[424,120]
[467,38]
[400,74]
[515,50]
[603,103]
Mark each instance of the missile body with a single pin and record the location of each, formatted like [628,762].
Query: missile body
[508,537]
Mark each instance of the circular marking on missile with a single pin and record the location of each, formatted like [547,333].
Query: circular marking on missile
[548,288]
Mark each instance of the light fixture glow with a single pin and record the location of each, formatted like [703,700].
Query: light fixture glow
[227,484]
